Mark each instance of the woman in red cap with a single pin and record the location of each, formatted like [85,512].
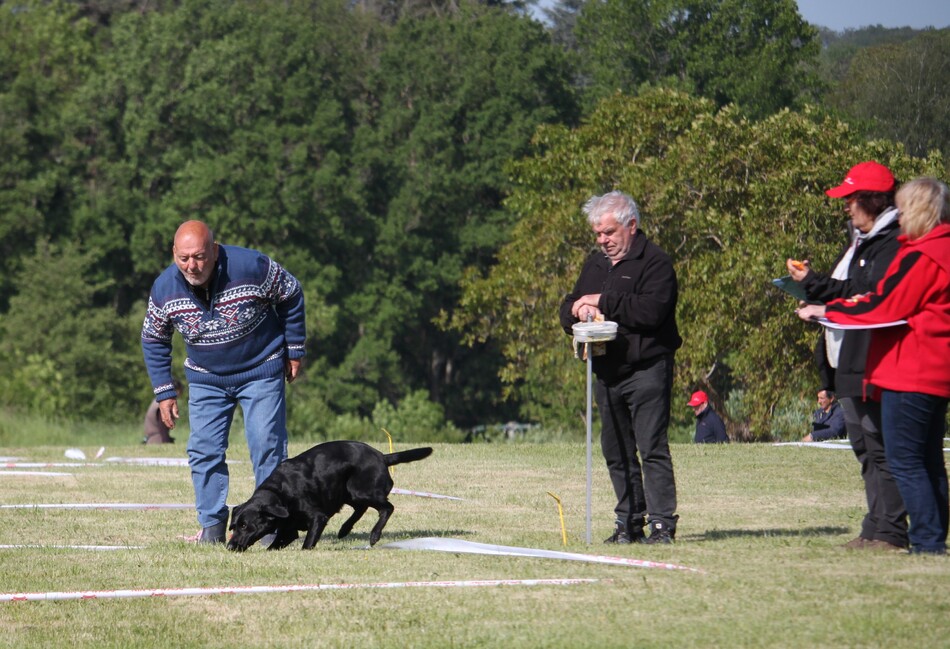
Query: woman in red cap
[868,193]
[908,363]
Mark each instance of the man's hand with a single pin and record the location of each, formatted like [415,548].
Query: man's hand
[585,308]
[169,411]
[291,369]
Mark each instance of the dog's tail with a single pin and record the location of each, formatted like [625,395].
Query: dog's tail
[412,455]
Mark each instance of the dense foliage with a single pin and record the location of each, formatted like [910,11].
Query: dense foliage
[389,154]
[730,199]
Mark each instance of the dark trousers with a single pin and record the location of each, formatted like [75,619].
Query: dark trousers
[886,519]
[914,427]
[634,415]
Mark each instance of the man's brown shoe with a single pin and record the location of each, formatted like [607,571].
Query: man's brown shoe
[857,543]
[878,544]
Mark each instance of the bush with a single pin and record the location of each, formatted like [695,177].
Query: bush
[415,419]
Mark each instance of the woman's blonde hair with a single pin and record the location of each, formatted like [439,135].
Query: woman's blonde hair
[923,203]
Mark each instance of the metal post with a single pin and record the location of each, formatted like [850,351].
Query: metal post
[589,350]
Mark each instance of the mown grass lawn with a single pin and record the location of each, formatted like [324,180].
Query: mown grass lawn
[763,526]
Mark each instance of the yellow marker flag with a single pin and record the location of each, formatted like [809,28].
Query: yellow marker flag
[560,513]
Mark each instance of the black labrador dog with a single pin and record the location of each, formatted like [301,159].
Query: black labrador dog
[305,491]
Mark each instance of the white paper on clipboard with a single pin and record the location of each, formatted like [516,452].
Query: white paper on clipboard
[825,322]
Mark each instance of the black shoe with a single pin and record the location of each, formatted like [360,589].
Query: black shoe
[213,534]
[622,537]
[660,533]
[619,536]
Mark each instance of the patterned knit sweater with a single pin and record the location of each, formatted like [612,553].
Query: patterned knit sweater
[255,319]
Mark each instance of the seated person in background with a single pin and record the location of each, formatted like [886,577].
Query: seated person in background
[709,426]
[828,420]
[156,432]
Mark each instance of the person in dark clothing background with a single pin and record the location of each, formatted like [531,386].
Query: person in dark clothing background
[709,426]
[827,422]
[156,432]
[631,281]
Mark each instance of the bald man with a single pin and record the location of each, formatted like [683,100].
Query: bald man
[242,318]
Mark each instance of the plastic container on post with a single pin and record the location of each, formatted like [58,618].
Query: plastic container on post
[594,332]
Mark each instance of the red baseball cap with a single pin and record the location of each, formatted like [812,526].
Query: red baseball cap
[867,176]
[698,398]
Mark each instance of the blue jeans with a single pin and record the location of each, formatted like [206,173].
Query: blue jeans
[914,426]
[210,413]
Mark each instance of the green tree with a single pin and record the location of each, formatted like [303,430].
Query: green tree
[45,54]
[727,197]
[454,98]
[899,92]
[60,354]
[237,113]
[759,54]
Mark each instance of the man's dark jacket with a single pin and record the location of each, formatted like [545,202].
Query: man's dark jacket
[867,267]
[709,428]
[828,424]
[639,293]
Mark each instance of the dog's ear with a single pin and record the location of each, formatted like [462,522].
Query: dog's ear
[277,510]
[235,512]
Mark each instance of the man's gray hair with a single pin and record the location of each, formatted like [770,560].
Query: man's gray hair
[621,206]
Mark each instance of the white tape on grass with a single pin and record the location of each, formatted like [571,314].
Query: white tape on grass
[47,465]
[145,506]
[468,547]
[157,461]
[73,547]
[151,461]
[422,494]
[255,590]
[844,444]
[36,473]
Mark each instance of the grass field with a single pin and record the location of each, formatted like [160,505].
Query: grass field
[763,524]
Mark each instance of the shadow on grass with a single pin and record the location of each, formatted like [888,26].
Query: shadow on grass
[719,535]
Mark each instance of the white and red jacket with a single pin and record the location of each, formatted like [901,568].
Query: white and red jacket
[914,357]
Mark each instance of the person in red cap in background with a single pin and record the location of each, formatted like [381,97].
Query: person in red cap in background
[709,426]
[868,192]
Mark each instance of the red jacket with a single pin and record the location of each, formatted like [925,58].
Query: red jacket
[914,357]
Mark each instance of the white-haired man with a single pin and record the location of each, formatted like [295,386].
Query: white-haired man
[631,281]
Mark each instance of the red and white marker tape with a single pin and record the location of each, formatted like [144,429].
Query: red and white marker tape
[73,547]
[43,473]
[46,465]
[458,546]
[136,506]
[253,590]
[151,461]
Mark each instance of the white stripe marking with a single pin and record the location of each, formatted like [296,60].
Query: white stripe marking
[248,590]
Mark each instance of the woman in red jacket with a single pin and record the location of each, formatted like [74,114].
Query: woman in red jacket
[908,364]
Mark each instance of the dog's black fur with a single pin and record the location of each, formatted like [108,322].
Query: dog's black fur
[305,491]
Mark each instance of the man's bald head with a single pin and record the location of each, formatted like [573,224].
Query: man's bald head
[195,252]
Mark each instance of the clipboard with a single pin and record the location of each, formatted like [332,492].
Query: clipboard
[791,287]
